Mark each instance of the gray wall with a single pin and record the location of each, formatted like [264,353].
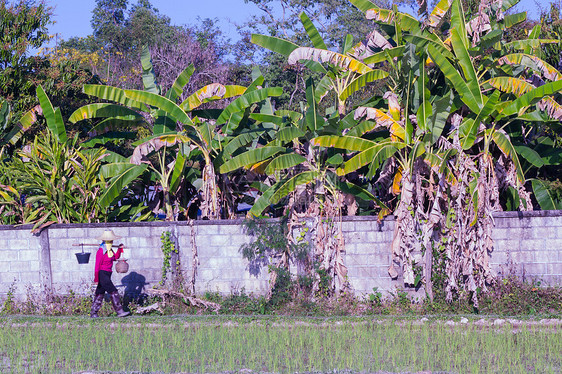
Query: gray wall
[528,244]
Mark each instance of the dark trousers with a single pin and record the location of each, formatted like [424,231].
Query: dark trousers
[105,284]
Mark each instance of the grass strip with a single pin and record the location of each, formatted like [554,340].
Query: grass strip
[176,345]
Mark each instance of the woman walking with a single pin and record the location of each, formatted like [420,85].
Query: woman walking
[102,275]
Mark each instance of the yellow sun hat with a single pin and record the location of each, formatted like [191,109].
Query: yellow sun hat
[108,235]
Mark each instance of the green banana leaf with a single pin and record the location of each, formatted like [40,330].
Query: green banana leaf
[179,84]
[361,82]
[121,175]
[348,143]
[211,92]
[312,32]
[456,80]
[530,155]
[511,20]
[264,200]
[470,134]
[385,55]
[246,100]
[148,75]
[53,116]
[250,158]
[177,173]
[458,22]
[374,156]
[533,96]
[103,110]
[363,5]
[465,62]
[115,124]
[240,141]
[113,94]
[545,198]
[312,119]
[26,121]
[148,98]
[291,185]
[528,43]
[504,144]
[274,44]
[441,109]
[283,162]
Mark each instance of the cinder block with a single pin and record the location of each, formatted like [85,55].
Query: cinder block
[142,231]
[28,255]
[500,233]
[357,237]
[544,232]
[18,244]
[156,231]
[554,280]
[507,245]
[15,234]
[219,240]
[30,277]
[8,255]
[551,244]
[535,269]
[20,266]
[502,222]
[527,257]
[230,229]
[78,233]
[498,257]
[3,244]
[348,227]
[238,240]
[7,277]
[364,248]
[63,276]
[555,221]
[207,230]
[532,245]
[554,269]
[58,233]
[545,256]
[66,244]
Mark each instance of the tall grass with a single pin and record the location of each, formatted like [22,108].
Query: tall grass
[191,345]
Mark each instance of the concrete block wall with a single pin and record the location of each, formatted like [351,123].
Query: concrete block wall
[368,254]
[20,259]
[528,244]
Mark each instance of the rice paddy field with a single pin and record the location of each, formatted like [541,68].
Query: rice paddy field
[188,344]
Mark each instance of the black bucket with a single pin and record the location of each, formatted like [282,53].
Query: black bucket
[83,257]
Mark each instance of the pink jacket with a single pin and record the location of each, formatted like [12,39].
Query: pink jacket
[104,262]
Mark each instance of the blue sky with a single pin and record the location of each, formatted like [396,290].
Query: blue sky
[73,17]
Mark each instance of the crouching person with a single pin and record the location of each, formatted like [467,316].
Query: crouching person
[102,275]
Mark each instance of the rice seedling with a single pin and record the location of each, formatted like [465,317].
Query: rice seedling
[189,344]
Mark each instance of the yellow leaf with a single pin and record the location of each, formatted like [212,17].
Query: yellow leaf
[260,167]
[396,182]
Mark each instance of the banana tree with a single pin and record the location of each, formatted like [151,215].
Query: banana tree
[304,178]
[195,136]
[342,72]
[475,117]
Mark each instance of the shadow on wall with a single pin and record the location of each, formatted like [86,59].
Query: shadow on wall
[134,288]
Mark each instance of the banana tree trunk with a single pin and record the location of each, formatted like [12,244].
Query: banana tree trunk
[404,230]
[209,205]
